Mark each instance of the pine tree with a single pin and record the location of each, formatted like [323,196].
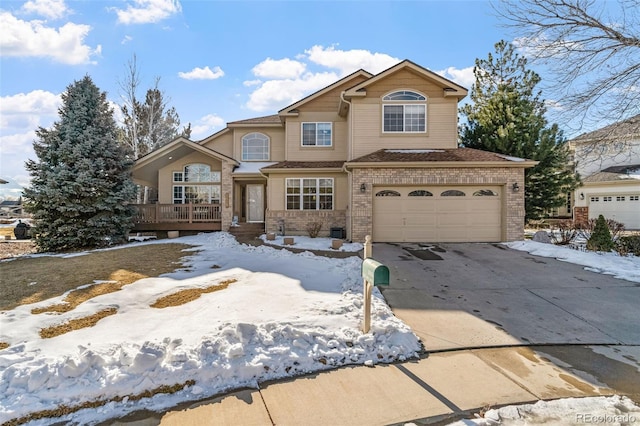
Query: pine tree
[81,185]
[507,116]
[600,239]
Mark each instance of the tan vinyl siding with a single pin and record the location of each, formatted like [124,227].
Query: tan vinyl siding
[165,184]
[222,144]
[367,117]
[336,152]
[276,141]
[329,101]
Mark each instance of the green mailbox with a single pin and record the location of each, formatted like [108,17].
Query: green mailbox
[375,272]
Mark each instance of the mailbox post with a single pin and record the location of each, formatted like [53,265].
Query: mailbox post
[374,273]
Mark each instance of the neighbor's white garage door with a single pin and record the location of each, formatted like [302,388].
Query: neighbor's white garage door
[623,208]
[437,214]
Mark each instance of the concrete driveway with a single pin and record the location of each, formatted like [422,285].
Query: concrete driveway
[484,295]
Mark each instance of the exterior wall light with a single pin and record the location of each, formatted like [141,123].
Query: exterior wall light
[363,187]
[582,195]
[515,187]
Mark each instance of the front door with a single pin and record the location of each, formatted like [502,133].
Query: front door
[255,203]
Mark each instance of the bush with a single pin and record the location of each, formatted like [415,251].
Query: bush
[563,232]
[600,239]
[585,229]
[628,245]
[313,229]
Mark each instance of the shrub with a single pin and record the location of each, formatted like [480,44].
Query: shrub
[628,245]
[563,232]
[313,229]
[585,229]
[600,239]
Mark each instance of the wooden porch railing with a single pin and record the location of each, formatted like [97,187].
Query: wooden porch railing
[177,213]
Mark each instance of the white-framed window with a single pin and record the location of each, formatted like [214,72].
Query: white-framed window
[255,147]
[607,198]
[317,134]
[203,187]
[595,199]
[634,197]
[404,111]
[620,198]
[309,193]
[196,194]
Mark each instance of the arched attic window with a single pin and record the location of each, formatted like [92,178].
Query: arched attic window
[404,111]
[255,147]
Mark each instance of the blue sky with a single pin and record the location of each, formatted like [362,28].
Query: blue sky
[218,61]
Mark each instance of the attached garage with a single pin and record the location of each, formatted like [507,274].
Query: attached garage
[623,208]
[437,213]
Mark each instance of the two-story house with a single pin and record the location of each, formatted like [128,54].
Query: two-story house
[371,154]
[608,161]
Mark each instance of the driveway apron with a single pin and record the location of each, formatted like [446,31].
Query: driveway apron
[482,295]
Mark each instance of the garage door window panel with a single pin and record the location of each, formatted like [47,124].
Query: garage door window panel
[420,193]
[485,193]
[452,193]
[387,193]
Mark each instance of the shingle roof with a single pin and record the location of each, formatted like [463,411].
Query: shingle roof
[306,165]
[431,155]
[615,173]
[628,128]
[267,119]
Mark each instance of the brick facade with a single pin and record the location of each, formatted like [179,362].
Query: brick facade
[360,214]
[581,214]
[296,221]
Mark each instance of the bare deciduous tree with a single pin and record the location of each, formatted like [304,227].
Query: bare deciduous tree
[591,49]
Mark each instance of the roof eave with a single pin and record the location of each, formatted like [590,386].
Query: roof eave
[438,164]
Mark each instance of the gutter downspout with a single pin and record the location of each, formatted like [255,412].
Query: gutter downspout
[344,168]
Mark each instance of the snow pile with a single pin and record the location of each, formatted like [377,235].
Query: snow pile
[612,411]
[283,314]
[308,243]
[623,267]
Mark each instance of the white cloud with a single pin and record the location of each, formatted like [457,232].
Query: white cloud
[202,73]
[148,11]
[26,110]
[126,39]
[20,143]
[33,38]
[275,94]
[206,125]
[464,77]
[279,69]
[348,61]
[52,9]
[287,80]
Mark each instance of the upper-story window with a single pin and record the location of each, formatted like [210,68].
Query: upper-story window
[255,147]
[316,134]
[404,111]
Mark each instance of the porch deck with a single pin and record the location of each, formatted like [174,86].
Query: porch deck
[178,217]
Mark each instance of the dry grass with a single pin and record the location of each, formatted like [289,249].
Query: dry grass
[65,409]
[76,324]
[185,296]
[29,280]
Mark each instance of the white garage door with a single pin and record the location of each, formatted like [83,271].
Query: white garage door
[621,208]
[437,214]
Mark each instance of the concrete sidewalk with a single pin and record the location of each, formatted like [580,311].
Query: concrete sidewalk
[441,386]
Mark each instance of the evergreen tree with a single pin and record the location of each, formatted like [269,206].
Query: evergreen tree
[507,116]
[81,186]
[600,239]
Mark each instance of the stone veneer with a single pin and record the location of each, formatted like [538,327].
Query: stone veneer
[226,190]
[360,214]
[581,214]
[296,221]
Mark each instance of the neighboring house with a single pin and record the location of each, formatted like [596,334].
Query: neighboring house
[370,154]
[608,161]
[11,208]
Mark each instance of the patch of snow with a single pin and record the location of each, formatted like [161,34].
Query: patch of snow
[623,267]
[286,314]
[308,243]
[510,158]
[251,167]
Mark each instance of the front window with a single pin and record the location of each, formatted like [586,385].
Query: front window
[203,185]
[404,111]
[255,147]
[316,134]
[309,194]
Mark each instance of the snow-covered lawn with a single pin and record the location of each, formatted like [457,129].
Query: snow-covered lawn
[285,314]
